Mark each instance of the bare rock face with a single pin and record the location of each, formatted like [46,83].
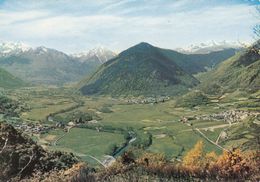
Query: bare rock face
[21,157]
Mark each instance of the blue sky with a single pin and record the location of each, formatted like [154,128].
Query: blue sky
[77,25]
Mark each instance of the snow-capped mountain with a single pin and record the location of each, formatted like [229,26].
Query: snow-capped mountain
[49,66]
[12,48]
[42,65]
[205,48]
[17,48]
[98,54]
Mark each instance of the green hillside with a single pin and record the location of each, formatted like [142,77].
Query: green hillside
[240,71]
[9,81]
[195,63]
[140,70]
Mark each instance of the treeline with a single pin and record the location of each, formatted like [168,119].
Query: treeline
[79,104]
[10,107]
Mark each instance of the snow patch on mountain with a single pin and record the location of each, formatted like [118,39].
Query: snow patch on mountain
[17,48]
[13,48]
[99,54]
[212,46]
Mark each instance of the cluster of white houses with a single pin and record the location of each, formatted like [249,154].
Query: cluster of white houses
[148,100]
[230,116]
[33,128]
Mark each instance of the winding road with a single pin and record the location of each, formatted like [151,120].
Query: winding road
[55,142]
[212,127]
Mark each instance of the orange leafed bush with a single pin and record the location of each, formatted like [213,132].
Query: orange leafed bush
[194,158]
[237,164]
[233,164]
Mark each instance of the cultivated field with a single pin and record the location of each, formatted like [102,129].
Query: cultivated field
[161,121]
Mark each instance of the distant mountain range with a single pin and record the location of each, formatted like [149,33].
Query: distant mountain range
[10,48]
[205,48]
[145,69]
[43,65]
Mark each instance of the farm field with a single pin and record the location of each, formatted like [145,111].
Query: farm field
[83,142]
[169,135]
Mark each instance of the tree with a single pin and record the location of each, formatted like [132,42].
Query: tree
[210,159]
[194,158]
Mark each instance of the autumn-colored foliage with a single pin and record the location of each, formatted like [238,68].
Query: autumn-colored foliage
[237,164]
[196,162]
[194,158]
[150,159]
[233,164]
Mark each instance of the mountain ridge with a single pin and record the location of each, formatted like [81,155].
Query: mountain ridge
[42,65]
[238,72]
[101,53]
[141,69]
[207,47]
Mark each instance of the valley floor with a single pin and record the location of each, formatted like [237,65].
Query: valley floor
[161,127]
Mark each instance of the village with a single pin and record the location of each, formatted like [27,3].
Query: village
[231,116]
[33,127]
[148,100]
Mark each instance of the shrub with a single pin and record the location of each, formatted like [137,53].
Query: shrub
[237,164]
[105,110]
[112,149]
[143,140]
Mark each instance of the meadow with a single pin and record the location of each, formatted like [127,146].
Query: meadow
[169,135]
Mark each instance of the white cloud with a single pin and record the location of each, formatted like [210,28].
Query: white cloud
[114,26]
[9,18]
